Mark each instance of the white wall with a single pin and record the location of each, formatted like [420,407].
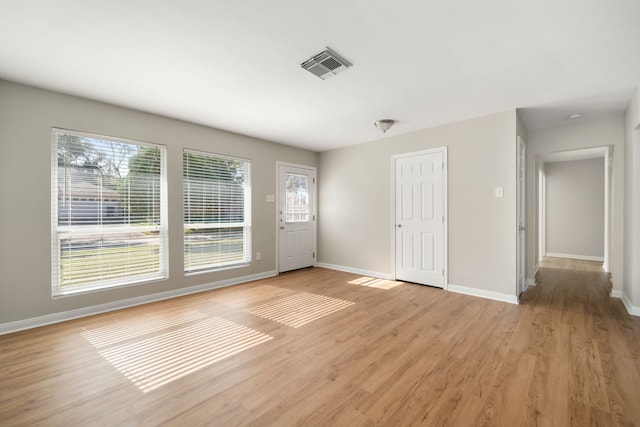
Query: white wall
[595,133]
[575,208]
[631,289]
[355,201]
[27,115]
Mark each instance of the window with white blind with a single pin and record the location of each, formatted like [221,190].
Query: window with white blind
[109,212]
[217,211]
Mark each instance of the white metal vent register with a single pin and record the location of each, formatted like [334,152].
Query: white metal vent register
[326,64]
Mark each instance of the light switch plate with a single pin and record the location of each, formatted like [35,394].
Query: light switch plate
[499,191]
[271,198]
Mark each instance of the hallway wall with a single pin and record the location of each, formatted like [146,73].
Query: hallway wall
[575,209]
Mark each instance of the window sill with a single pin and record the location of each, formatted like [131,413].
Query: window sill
[97,288]
[216,269]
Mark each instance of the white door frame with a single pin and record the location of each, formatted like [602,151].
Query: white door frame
[445,210]
[542,212]
[314,212]
[521,212]
[603,152]
[607,208]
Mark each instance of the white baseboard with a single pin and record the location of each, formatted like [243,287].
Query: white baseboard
[572,256]
[34,322]
[512,299]
[631,309]
[369,273]
[453,288]
[615,293]
[531,281]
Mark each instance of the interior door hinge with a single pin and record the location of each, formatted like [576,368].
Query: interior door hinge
[314,217]
[443,271]
[314,180]
[314,255]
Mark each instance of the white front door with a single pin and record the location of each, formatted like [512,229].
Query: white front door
[522,269]
[296,217]
[420,217]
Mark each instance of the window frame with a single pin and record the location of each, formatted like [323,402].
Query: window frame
[57,231]
[246,224]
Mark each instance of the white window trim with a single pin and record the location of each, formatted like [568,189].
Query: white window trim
[56,231]
[246,224]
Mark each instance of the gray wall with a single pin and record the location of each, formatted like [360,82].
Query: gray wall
[27,115]
[595,133]
[575,208]
[355,201]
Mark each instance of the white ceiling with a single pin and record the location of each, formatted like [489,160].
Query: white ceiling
[234,65]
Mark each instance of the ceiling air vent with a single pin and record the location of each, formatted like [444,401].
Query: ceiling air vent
[326,64]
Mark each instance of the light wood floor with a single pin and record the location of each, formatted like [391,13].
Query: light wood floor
[320,347]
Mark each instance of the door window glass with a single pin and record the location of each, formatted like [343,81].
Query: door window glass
[297,206]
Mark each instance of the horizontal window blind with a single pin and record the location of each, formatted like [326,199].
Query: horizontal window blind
[217,211]
[109,212]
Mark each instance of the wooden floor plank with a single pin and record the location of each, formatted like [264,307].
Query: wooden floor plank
[391,354]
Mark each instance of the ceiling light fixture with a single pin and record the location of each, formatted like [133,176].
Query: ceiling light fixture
[384,124]
[575,116]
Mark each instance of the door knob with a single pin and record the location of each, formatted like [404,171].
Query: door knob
[399,225]
[522,228]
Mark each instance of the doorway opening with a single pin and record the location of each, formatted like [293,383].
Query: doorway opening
[573,195]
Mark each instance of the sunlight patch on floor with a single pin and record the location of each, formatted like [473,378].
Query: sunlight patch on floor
[140,325]
[299,309]
[159,360]
[250,296]
[372,282]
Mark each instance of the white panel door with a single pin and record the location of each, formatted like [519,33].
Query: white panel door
[296,217]
[521,250]
[419,218]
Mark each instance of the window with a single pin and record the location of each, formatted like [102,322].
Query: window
[217,211]
[109,212]
[297,203]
